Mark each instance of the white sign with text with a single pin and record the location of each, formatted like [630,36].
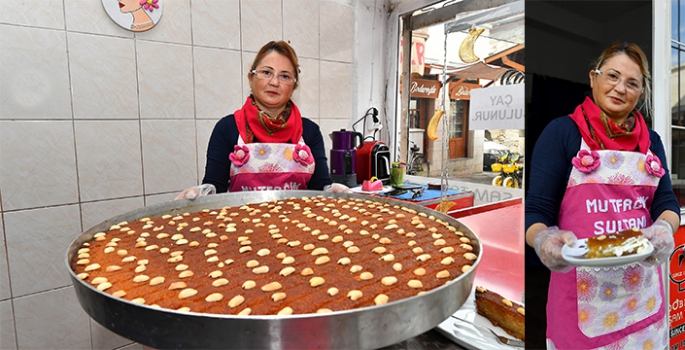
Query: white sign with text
[497,107]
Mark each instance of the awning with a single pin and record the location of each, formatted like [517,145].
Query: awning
[478,70]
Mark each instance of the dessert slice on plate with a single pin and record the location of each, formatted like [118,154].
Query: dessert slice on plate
[626,242]
[612,249]
[480,323]
[501,312]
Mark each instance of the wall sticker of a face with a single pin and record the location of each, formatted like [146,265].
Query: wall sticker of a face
[134,15]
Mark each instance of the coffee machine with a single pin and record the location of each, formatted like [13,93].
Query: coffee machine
[373,160]
[344,157]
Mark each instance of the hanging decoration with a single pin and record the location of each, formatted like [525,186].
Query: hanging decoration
[432,129]
[466,48]
[134,15]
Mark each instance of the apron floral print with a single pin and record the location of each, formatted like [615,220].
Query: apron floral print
[270,166]
[620,307]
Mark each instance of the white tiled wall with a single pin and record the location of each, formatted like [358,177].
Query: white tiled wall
[216,23]
[108,154]
[37,163]
[36,244]
[96,121]
[35,76]
[297,28]
[217,79]
[8,338]
[51,320]
[103,77]
[4,276]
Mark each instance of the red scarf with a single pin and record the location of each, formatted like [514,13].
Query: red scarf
[602,134]
[253,123]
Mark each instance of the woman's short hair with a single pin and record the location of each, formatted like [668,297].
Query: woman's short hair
[284,49]
[635,53]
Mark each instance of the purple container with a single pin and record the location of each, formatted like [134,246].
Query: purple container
[343,162]
[344,167]
[346,140]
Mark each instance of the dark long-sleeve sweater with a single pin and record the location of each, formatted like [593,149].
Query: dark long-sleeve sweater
[550,168]
[225,136]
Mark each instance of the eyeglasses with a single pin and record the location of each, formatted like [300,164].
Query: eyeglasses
[613,78]
[266,74]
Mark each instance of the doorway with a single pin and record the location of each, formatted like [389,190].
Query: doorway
[458,125]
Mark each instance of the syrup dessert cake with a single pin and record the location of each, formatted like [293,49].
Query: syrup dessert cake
[291,256]
[501,312]
[626,242]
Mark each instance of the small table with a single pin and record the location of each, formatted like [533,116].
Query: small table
[430,198]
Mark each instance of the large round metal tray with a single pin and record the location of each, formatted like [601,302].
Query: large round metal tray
[363,328]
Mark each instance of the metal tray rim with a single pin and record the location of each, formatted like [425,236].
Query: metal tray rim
[187,205]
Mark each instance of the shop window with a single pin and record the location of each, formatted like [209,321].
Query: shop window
[455,49]
[457,120]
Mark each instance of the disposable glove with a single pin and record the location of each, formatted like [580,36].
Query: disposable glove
[196,191]
[548,243]
[660,234]
[337,188]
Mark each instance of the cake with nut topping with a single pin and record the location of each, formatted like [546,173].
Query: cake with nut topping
[627,242]
[501,312]
[291,256]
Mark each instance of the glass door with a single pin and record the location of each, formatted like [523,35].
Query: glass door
[457,125]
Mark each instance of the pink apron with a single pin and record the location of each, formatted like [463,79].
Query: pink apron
[270,166]
[620,307]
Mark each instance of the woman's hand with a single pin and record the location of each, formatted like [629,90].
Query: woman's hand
[196,191]
[660,234]
[548,243]
[337,188]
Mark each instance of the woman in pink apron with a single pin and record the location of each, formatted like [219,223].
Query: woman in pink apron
[598,171]
[267,144]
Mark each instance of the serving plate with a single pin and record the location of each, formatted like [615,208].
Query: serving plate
[575,255]
[470,336]
[362,328]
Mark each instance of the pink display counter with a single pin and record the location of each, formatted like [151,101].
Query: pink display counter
[500,228]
